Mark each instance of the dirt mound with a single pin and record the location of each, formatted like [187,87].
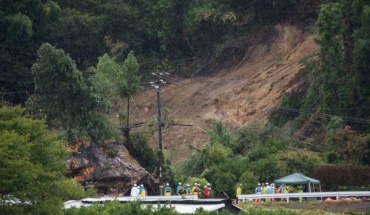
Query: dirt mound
[240,97]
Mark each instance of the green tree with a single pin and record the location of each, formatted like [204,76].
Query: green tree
[335,92]
[361,59]
[123,79]
[81,35]
[67,98]
[24,24]
[350,147]
[32,168]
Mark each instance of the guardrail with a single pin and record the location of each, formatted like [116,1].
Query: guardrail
[140,198]
[288,196]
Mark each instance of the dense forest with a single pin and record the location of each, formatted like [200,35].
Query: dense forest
[64,63]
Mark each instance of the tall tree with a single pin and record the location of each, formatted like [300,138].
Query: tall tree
[123,77]
[23,25]
[32,166]
[67,98]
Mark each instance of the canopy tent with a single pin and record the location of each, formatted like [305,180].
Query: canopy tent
[298,178]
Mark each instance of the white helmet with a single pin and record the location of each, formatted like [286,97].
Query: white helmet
[135,185]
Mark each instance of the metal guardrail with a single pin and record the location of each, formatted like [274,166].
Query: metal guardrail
[140,198]
[287,196]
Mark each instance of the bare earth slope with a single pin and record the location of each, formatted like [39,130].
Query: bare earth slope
[239,97]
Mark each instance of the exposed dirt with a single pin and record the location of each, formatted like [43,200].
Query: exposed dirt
[240,97]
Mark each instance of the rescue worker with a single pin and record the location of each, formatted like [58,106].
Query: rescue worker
[195,190]
[300,190]
[179,189]
[272,191]
[207,191]
[258,191]
[269,191]
[134,191]
[167,190]
[187,189]
[238,192]
[278,191]
[142,190]
[284,189]
[264,189]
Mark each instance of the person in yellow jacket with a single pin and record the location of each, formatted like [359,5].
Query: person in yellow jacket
[195,190]
[167,190]
[142,190]
[264,189]
[238,192]
[300,190]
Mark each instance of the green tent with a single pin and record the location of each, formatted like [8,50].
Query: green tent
[298,178]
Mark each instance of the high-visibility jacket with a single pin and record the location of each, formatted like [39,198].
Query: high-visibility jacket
[207,192]
[167,190]
[238,191]
[195,190]
[264,190]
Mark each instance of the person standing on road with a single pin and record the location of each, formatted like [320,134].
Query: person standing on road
[134,191]
[179,189]
[258,191]
[187,189]
[142,190]
[238,192]
[207,191]
[167,190]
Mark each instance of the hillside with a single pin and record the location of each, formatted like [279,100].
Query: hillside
[240,97]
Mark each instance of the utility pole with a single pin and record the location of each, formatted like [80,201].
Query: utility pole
[160,148]
[157,86]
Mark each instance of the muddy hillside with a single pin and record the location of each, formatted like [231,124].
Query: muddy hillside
[241,95]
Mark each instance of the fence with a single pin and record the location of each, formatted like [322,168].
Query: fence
[287,196]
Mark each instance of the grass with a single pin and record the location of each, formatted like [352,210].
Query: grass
[309,207]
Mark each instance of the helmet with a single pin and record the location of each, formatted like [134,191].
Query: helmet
[142,185]
[135,185]
[179,183]
[267,183]
[168,184]
[259,184]
[208,184]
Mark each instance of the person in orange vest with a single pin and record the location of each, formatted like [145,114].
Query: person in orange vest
[207,191]
[278,190]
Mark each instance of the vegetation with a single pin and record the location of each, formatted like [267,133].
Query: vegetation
[67,61]
[32,166]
